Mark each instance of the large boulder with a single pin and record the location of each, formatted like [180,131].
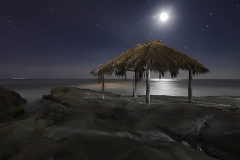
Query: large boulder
[11,104]
[58,91]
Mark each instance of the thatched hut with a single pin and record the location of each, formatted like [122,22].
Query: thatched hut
[151,56]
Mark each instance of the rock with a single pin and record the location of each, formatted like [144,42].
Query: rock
[40,101]
[79,124]
[38,114]
[5,118]
[58,91]
[56,108]
[47,97]
[11,103]
[50,97]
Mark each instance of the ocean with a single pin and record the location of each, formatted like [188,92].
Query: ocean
[33,89]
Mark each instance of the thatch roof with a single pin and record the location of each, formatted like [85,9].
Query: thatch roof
[159,57]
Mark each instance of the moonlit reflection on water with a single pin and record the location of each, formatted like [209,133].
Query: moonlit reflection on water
[32,90]
[172,87]
[167,87]
[158,87]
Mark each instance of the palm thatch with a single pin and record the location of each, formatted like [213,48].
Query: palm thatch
[95,72]
[159,57]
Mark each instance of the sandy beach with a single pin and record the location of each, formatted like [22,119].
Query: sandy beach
[78,124]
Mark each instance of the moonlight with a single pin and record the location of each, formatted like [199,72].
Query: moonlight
[163,17]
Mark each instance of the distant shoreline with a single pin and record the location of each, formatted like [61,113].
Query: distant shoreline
[18,78]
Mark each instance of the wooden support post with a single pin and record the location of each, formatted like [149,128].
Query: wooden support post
[148,83]
[190,86]
[102,86]
[136,81]
[133,87]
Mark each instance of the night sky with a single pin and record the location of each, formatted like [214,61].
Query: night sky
[69,38]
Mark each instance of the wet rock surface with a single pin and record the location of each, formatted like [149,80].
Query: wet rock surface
[78,124]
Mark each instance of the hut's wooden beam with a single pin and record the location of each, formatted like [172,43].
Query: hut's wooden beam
[103,91]
[136,81]
[190,86]
[133,86]
[147,84]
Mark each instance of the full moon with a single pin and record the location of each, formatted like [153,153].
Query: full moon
[163,17]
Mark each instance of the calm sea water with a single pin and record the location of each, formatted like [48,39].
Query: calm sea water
[32,90]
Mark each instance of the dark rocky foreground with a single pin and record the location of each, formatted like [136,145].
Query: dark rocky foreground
[78,124]
[11,105]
